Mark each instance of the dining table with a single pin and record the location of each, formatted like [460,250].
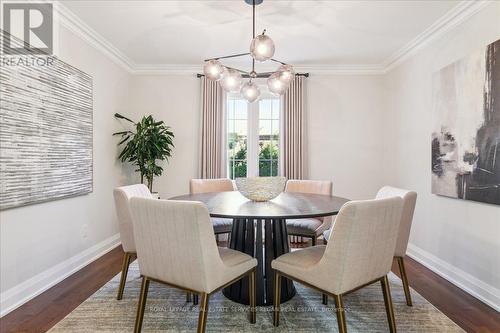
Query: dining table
[259,230]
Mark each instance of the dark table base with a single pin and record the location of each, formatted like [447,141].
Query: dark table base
[246,236]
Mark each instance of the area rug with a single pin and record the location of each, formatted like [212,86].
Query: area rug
[167,311]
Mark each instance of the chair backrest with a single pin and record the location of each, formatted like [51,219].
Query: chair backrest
[324,187]
[122,196]
[176,243]
[409,201]
[210,185]
[309,186]
[362,244]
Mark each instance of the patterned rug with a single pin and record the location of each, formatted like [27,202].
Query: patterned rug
[167,311]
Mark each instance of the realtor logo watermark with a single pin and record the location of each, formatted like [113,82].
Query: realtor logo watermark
[29,28]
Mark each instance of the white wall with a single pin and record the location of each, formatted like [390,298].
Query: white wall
[343,124]
[459,239]
[175,100]
[42,243]
[344,133]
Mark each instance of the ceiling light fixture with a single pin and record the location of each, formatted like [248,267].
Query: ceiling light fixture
[261,49]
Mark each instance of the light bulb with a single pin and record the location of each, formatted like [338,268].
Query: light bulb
[231,80]
[262,48]
[213,70]
[250,91]
[286,73]
[276,85]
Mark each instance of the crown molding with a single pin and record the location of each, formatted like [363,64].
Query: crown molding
[458,14]
[454,17]
[318,69]
[349,69]
[73,23]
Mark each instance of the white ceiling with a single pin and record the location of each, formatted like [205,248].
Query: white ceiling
[305,32]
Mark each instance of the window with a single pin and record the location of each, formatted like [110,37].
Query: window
[237,135]
[269,126]
[253,136]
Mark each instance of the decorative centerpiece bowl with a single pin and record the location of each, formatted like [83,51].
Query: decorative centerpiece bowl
[260,188]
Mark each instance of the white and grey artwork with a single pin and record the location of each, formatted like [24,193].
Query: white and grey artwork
[45,133]
[466,133]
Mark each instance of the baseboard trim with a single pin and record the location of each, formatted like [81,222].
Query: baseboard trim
[463,280]
[25,291]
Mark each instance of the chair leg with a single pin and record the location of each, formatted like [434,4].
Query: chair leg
[313,241]
[142,304]
[404,279]
[251,296]
[188,297]
[126,263]
[277,298]
[202,319]
[195,299]
[388,304]
[325,299]
[339,305]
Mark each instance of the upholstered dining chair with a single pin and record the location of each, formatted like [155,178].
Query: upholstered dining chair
[122,196]
[360,253]
[221,225]
[409,202]
[176,246]
[309,227]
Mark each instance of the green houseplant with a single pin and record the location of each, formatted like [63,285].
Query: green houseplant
[150,141]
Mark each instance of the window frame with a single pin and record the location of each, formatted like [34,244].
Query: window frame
[253,115]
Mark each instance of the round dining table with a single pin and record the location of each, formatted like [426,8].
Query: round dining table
[259,230]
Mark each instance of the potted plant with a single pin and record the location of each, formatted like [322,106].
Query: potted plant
[152,141]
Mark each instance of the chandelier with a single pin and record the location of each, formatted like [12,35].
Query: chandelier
[261,50]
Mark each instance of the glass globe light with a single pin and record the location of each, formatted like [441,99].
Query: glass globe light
[276,85]
[231,80]
[262,48]
[286,73]
[213,70]
[250,91]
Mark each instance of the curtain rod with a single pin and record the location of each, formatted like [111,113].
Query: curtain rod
[246,76]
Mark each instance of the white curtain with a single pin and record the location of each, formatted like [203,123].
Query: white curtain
[213,133]
[293,156]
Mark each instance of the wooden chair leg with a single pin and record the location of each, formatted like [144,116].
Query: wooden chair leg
[404,279]
[195,299]
[123,278]
[388,304]
[277,298]
[313,241]
[339,305]
[188,297]
[202,319]
[325,299]
[142,304]
[251,296]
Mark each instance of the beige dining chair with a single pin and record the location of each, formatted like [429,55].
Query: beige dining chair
[176,246]
[221,225]
[409,202]
[309,227]
[360,253]
[122,196]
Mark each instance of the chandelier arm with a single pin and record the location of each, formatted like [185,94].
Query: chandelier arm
[229,56]
[279,62]
[239,70]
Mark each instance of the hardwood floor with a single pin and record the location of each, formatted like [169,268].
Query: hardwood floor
[45,310]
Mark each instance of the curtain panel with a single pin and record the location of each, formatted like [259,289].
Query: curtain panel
[293,139]
[212,134]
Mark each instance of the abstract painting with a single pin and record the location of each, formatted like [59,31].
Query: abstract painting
[466,127]
[45,133]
